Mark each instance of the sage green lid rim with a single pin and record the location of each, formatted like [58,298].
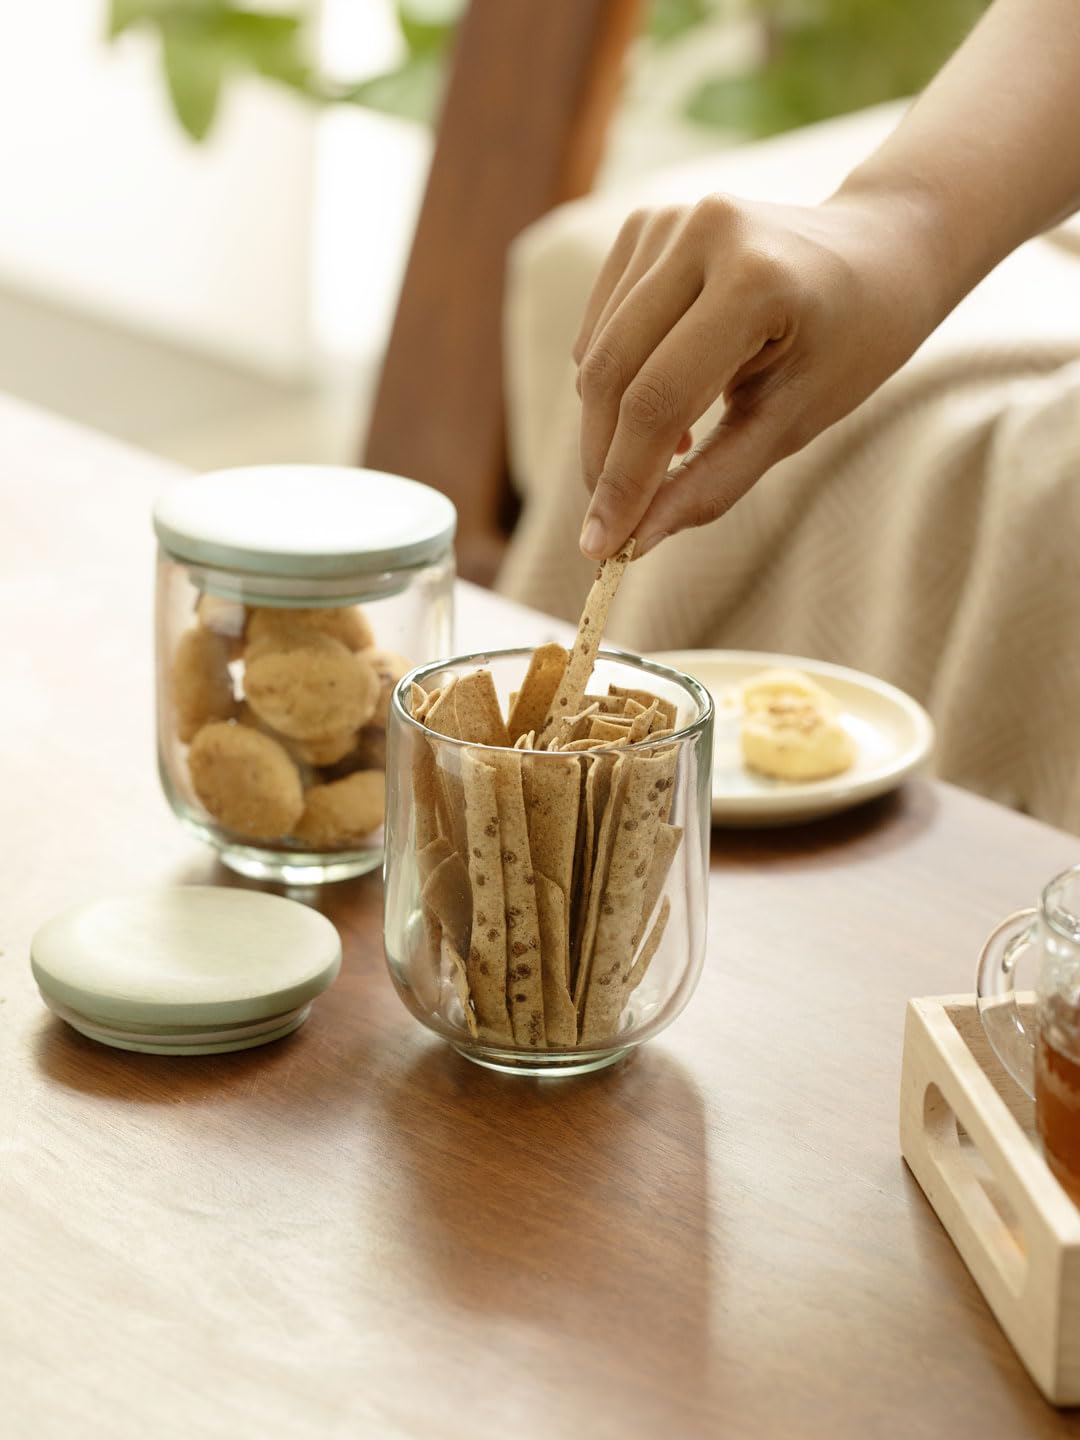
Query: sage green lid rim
[170,1034]
[222,1047]
[347,507]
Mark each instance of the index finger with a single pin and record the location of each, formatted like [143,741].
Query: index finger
[618,257]
[678,382]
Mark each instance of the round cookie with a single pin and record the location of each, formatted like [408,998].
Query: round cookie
[306,752]
[246,780]
[325,749]
[201,685]
[311,687]
[281,639]
[389,668]
[793,740]
[759,692]
[344,811]
[345,623]
[226,618]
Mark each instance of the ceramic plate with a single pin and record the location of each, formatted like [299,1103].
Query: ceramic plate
[892,732]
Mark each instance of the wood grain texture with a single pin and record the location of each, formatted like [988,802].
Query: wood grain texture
[967,1131]
[531,90]
[354,1231]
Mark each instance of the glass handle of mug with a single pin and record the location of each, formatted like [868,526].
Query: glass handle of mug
[996,990]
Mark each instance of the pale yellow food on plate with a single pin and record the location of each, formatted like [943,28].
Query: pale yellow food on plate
[793,739]
[759,692]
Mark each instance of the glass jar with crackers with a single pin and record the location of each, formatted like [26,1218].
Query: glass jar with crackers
[290,602]
[547,849]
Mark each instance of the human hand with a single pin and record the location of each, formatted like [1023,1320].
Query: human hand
[793,314]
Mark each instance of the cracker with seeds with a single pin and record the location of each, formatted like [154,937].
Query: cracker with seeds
[649,778]
[560,1017]
[644,699]
[529,706]
[552,791]
[648,950]
[476,711]
[610,776]
[524,977]
[454,966]
[485,964]
[571,692]
[447,893]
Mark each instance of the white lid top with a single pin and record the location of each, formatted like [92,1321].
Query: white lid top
[305,521]
[186,955]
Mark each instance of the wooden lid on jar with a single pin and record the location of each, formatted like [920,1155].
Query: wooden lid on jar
[304,521]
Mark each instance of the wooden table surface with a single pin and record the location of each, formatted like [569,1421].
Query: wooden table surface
[356,1232]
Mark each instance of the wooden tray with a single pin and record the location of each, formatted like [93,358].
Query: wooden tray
[968,1133]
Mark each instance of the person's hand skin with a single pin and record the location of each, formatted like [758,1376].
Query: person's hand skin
[796,314]
[793,315]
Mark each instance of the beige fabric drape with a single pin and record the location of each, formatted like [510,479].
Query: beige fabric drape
[933,539]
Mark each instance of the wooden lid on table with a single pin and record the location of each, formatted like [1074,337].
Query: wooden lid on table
[187,969]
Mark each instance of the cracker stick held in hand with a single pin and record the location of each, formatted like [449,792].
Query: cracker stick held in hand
[571,692]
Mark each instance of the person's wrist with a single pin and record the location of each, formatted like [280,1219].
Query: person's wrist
[914,237]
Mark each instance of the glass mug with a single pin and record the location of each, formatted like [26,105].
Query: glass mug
[436,944]
[1044,1059]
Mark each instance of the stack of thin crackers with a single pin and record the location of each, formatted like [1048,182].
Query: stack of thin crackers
[543,858]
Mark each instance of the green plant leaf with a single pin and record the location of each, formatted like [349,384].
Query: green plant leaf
[125,13]
[194,73]
[270,44]
[412,92]
[832,57]
[743,105]
[427,29]
[668,19]
[204,42]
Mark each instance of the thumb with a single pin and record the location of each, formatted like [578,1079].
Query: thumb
[708,483]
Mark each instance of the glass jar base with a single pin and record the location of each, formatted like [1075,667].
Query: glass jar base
[298,869]
[288,867]
[551,1066]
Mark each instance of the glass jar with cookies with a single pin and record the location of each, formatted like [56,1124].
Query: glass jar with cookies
[290,601]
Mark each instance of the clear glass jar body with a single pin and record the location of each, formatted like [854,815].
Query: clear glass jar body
[272,702]
[532,886]
[1041,1050]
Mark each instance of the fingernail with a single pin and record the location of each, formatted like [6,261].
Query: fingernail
[592,538]
[649,543]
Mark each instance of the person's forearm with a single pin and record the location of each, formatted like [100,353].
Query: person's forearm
[989,155]
[795,314]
